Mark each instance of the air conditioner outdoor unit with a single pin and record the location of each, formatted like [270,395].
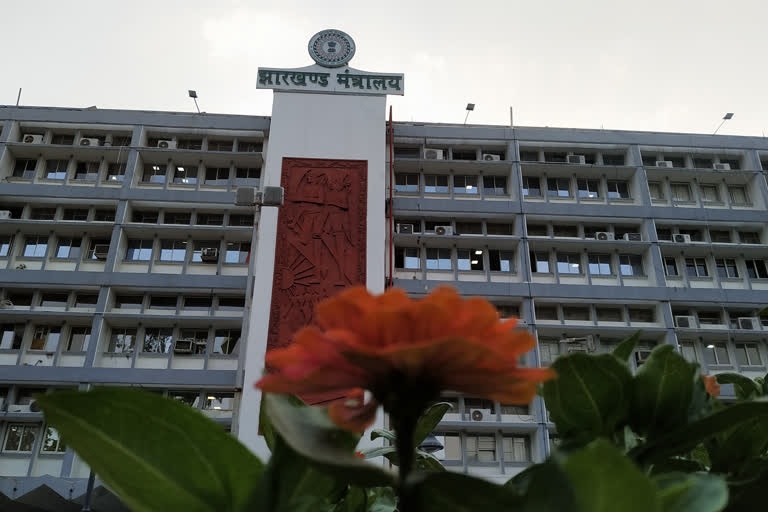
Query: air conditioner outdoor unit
[32,138]
[664,163]
[682,238]
[576,159]
[5,214]
[489,157]
[588,342]
[722,167]
[434,154]
[166,144]
[100,251]
[89,142]
[605,235]
[183,346]
[444,230]
[642,356]
[30,407]
[748,323]
[686,322]
[480,414]
[633,237]
[209,254]
[404,229]
[6,304]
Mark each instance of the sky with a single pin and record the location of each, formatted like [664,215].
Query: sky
[655,65]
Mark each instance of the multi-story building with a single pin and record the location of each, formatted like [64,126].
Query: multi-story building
[125,261]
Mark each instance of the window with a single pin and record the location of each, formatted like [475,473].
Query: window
[62,140]
[529,156]
[193,144]
[469,228]
[56,169]
[176,218]
[210,219]
[240,220]
[220,145]
[197,303]
[11,336]
[466,154]
[35,246]
[216,176]
[664,234]
[78,339]
[139,250]
[244,146]
[68,248]
[677,161]
[145,217]
[735,163]
[568,263]
[86,300]
[122,341]
[173,250]
[247,176]
[104,216]
[20,437]
[501,260]
[438,259]
[219,401]
[555,156]
[656,190]
[198,247]
[469,259]
[185,175]
[681,192]
[592,231]
[756,269]
[646,315]
[226,341]
[154,173]
[508,311]
[748,354]
[710,317]
[558,187]
[116,172]
[578,313]
[696,267]
[695,234]
[451,447]
[102,244]
[54,300]
[710,194]
[688,350]
[749,237]
[738,194]
[723,237]
[531,186]
[703,163]
[24,168]
[52,442]
[588,189]
[231,304]
[631,265]
[5,246]
[538,230]
[407,258]
[20,298]
[516,448]
[495,185]
[162,302]
[158,340]
[409,183]
[500,228]
[618,189]
[613,159]
[237,252]
[188,398]
[42,213]
[463,185]
[45,338]
[540,262]
[129,301]
[548,351]
[480,448]
[191,341]
[726,267]
[545,312]
[434,184]
[87,171]
[600,264]
[565,231]
[75,214]
[716,353]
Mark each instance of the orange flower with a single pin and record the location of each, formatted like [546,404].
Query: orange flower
[710,382]
[404,350]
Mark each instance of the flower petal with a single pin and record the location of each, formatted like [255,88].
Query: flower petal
[352,413]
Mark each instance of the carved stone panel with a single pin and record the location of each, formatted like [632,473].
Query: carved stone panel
[321,240]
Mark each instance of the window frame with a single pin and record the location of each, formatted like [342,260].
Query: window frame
[696,267]
[568,260]
[617,185]
[407,187]
[25,427]
[635,265]
[440,259]
[725,267]
[556,192]
[595,267]
[142,243]
[584,188]
[38,246]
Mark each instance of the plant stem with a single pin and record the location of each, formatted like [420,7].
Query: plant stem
[405,427]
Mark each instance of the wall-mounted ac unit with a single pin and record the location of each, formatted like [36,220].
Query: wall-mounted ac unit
[749,323]
[576,159]
[444,230]
[681,238]
[664,163]
[585,342]
[209,254]
[489,157]
[24,408]
[633,237]
[404,229]
[480,414]
[183,346]
[722,167]
[31,138]
[684,321]
[605,235]
[166,144]
[5,214]
[434,154]
[89,142]
[100,251]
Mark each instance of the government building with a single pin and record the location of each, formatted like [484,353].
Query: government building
[128,257]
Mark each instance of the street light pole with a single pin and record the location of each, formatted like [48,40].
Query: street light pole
[88,492]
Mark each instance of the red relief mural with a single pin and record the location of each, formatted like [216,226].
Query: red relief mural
[321,240]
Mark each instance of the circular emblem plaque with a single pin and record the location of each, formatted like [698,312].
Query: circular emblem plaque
[331,48]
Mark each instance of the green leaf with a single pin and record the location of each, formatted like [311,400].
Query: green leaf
[429,421]
[590,396]
[265,426]
[605,480]
[381,499]
[748,495]
[685,438]
[386,434]
[428,462]
[623,350]
[155,453]
[763,313]
[309,432]
[663,391]
[745,388]
[453,492]
[378,451]
[535,485]
[696,492]
[746,441]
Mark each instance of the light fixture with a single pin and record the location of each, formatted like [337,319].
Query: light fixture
[470,108]
[193,95]
[180,169]
[478,252]
[726,117]
[217,408]
[474,262]
[711,345]
[211,398]
[469,187]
